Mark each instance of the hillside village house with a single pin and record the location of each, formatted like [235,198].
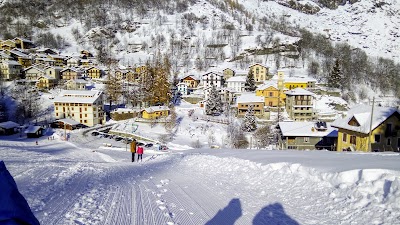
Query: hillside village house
[46,51]
[212,79]
[4,56]
[71,73]
[46,82]
[182,88]
[245,100]
[53,71]
[356,132]
[307,135]
[191,81]
[33,73]
[155,112]
[73,62]
[272,96]
[76,84]
[295,82]
[132,76]
[7,45]
[10,69]
[43,62]
[260,73]
[300,104]
[59,60]
[228,73]
[236,83]
[85,107]
[94,72]
[229,95]
[8,128]
[23,43]
[120,74]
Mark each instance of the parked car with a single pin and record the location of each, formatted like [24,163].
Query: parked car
[149,145]
[139,144]
[118,138]
[95,133]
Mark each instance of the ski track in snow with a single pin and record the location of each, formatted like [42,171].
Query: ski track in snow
[73,185]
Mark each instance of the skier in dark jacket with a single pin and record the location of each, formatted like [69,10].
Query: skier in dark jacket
[14,209]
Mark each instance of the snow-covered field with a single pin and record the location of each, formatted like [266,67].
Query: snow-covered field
[83,182]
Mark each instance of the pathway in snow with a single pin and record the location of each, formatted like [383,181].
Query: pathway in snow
[67,184]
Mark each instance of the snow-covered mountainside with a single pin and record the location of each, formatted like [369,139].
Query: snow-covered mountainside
[370,25]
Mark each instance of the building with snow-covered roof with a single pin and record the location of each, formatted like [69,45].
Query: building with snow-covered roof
[8,128]
[300,104]
[260,72]
[366,130]
[10,69]
[191,81]
[245,100]
[33,73]
[182,88]
[85,107]
[155,112]
[272,95]
[236,83]
[71,73]
[307,135]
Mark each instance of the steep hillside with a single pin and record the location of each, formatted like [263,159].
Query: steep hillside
[204,34]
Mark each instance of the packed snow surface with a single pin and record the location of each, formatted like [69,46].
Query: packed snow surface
[76,183]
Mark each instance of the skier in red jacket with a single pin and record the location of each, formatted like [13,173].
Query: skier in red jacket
[139,151]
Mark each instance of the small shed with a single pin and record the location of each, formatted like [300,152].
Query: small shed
[34,131]
[68,124]
[8,128]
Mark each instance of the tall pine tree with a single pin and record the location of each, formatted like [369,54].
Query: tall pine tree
[336,76]
[249,120]
[213,102]
[250,83]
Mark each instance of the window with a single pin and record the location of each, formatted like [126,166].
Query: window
[344,137]
[377,138]
[85,115]
[271,94]
[56,108]
[85,121]
[306,139]
[292,147]
[353,139]
[56,114]
[389,141]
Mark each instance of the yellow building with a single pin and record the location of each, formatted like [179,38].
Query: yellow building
[7,45]
[190,81]
[356,132]
[59,60]
[155,112]
[23,43]
[132,76]
[70,73]
[298,82]
[85,107]
[228,73]
[94,73]
[141,69]
[260,73]
[272,96]
[45,82]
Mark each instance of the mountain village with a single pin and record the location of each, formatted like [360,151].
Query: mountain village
[77,87]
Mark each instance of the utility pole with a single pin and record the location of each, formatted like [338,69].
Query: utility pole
[370,126]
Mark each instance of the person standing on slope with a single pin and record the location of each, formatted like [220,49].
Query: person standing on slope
[133,149]
[140,153]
